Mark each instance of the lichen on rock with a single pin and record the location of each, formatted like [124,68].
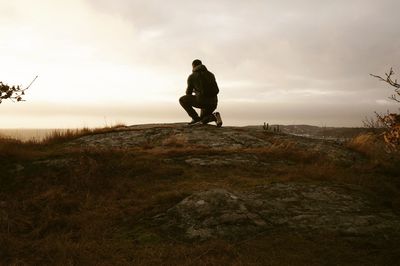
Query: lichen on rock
[210,214]
[300,207]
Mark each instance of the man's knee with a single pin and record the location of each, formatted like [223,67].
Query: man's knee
[185,100]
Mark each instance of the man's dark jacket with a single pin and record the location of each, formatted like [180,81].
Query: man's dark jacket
[202,82]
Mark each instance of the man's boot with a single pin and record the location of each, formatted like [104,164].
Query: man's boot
[194,121]
[218,119]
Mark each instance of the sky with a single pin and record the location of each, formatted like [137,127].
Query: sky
[103,62]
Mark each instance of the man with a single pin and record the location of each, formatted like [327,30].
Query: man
[204,86]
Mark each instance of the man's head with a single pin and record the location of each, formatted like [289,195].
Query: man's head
[196,63]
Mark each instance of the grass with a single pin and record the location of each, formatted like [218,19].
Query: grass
[61,136]
[93,207]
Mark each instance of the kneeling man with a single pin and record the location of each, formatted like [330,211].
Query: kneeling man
[204,86]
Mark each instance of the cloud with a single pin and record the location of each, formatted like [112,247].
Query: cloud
[291,52]
[268,40]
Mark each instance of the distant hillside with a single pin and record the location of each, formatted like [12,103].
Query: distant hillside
[325,132]
[340,133]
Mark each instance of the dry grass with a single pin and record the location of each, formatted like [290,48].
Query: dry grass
[381,158]
[92,207]
[370,144]
[11,148]
[69,134]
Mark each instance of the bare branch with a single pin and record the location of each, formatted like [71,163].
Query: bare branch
[388,79]
[394,98]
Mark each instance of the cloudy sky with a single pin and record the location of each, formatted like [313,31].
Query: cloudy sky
[291,62]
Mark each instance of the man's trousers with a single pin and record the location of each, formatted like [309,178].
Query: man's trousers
[207,107]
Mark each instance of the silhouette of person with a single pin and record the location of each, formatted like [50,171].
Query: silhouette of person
[204,86]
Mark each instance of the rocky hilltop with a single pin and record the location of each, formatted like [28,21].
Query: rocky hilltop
[191,195]
[169,136]
[228,213]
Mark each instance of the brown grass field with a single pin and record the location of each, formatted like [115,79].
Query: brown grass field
[97,212]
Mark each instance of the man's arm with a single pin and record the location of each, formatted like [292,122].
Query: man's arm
[215,82]
[190,87]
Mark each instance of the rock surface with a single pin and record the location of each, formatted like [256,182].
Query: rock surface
[211,214]
[175,134]
[210,137]
[289,206]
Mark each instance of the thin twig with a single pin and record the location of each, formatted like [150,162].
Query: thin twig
[388,78]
